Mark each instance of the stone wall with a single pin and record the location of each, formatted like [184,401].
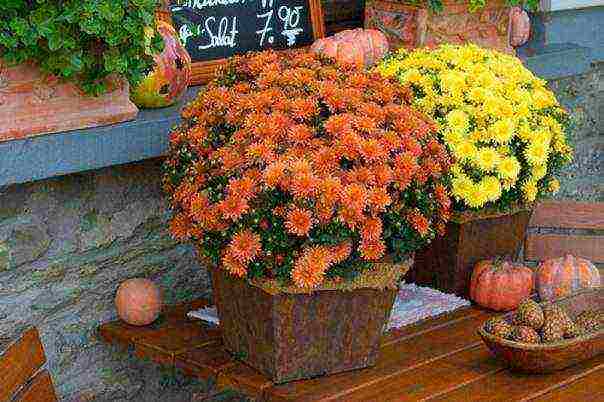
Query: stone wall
[65,245]
[583,97]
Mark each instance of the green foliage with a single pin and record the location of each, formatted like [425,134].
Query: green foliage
[80,40]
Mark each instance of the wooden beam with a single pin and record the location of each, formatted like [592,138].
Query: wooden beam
[569,215]
[539,247]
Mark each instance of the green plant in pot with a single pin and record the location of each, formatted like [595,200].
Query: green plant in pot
[83,41]
[306,186]
[507,133]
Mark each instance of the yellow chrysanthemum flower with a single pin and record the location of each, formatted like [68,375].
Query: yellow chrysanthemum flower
[413,76]
[524,132]
[462,186]
[476,197]
[553,185]
[452,137]
[538,172]
[508,168]
[458,120]
[536,153]
[491,187]
[542,98]
[529,190]
[487,159]
[465,150]
[502,130]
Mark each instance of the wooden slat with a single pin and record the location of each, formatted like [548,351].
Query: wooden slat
[430,380]
[506,386]
[569,215]
[586,389]
[205,363]
[395,358]
[39,390]
[243,379]
[430,324]
[163,345]
[19,363]
[122,334]
[542,246]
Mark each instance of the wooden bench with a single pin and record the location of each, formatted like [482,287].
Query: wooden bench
[22,376]
[438,359]
[558,228]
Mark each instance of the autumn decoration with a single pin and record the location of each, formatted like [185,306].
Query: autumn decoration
[361,47]
[306,186]
[169,78]
[289,166]
[508,136]
[561,277]
[138,301]
[500,284]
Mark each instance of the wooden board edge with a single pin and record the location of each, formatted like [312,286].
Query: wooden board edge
[568,215]
[39,389]
[543,246]
[20,361]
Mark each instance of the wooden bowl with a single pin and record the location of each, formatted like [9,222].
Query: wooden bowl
[548,357]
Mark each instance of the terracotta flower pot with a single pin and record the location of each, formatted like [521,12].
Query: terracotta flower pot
[447,263]
[290,335]
[416,26]
[32,103]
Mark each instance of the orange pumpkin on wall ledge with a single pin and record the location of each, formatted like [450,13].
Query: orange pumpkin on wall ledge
[361,47]
[561,277]
[500,285]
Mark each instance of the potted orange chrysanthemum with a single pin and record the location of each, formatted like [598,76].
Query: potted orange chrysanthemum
[306,186]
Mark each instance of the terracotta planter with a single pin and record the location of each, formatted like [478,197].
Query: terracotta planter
[33,104]
[291,336]
[447,263]
[411,27]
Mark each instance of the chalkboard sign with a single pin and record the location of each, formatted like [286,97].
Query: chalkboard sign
[213,30]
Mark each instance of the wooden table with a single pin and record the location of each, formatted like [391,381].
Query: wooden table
[441,359]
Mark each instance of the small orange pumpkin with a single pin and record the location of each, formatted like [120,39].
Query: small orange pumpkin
[361,47]
[138,301]
[560,277]
[500,285]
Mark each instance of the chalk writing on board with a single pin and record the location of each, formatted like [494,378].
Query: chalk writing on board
[215,29]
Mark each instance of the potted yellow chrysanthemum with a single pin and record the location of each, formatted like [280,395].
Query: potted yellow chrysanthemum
[506,131]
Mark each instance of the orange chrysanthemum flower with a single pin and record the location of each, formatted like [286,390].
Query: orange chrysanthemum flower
[419,222]
[379,199]
[372,229]
[310,268]
[299,221]
[282,145]
[245,246]
[274,173]
[179,226]
[233,207]
[233,266]
[340,252]
[372,250]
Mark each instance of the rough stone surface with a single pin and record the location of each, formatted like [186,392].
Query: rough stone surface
[583,97]
[65,246]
